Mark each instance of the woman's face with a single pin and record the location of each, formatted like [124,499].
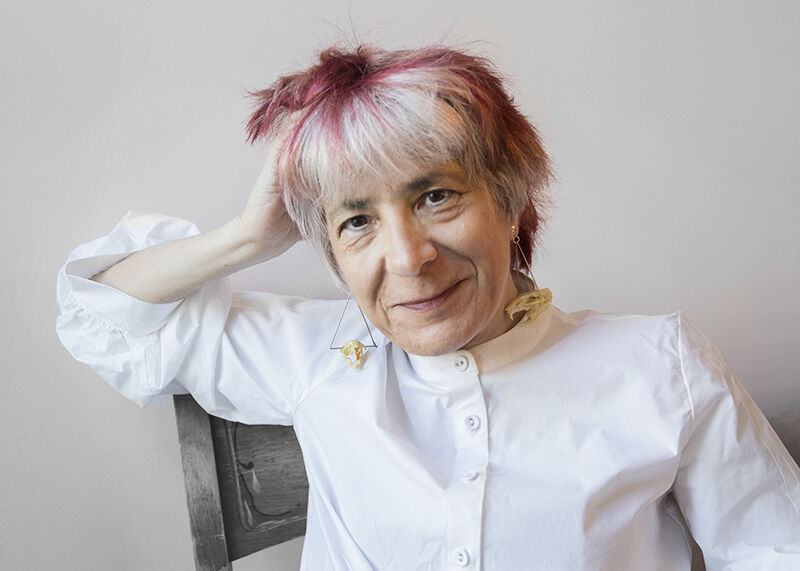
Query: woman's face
[427,259]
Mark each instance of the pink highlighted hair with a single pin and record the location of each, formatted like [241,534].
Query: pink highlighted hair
[368,115]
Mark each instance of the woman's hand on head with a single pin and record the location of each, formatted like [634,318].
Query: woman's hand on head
[172,270]
[264,218]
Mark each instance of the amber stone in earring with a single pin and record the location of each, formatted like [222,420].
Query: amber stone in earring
[354,352]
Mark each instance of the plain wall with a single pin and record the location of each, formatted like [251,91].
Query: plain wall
[673,127]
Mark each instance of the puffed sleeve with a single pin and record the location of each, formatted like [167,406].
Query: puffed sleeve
[737,486]
[244,356]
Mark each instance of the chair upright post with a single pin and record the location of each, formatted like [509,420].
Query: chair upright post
[202,488]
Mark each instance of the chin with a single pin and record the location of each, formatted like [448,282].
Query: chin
[430,344]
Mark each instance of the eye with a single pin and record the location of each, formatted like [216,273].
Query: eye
[354,223]
[436,197]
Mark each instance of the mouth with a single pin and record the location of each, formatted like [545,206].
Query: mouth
[430,303]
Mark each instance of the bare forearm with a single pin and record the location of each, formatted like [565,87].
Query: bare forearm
[171,271]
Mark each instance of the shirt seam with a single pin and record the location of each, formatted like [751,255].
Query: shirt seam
[768,433]
[72,295]
[684,378]
[313,387]
[777,465]
[92,315]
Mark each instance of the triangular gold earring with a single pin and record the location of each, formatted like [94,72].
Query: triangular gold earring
[353,350]
[532,302]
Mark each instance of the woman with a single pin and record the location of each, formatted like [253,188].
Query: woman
[465,435]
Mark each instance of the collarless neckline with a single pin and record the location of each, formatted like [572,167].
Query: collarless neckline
[490,355]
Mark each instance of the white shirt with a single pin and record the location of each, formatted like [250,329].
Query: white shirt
[566,443]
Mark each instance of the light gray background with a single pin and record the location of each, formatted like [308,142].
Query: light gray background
[673,126]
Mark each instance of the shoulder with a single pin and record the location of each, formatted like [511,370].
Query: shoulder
[641,352]
[621,332]
[588,317]
[669,350]
[277,305]
[293,335]
[315,320]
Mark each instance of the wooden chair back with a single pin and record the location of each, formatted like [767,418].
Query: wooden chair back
[246,485]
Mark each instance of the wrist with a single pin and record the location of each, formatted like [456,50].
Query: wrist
[247,243]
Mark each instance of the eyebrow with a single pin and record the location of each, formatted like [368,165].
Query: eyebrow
[431,179]
[354,204]
[421,182]
[416,185]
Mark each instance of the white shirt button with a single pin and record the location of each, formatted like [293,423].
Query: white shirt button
[470,476]
[462,557]
[473,422]
[461,363]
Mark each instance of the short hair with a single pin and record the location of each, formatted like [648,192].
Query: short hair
[365,113]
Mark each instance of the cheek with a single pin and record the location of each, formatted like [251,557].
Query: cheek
[491,252]
[361,276]
[493,261]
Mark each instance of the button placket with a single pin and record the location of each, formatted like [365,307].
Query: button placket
[466,492]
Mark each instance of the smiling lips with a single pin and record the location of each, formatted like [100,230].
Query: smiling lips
[432,302]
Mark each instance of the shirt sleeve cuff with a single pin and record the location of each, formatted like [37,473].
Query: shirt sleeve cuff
[118,309]
[136,317]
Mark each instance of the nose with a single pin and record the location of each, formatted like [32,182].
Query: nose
[409,248]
